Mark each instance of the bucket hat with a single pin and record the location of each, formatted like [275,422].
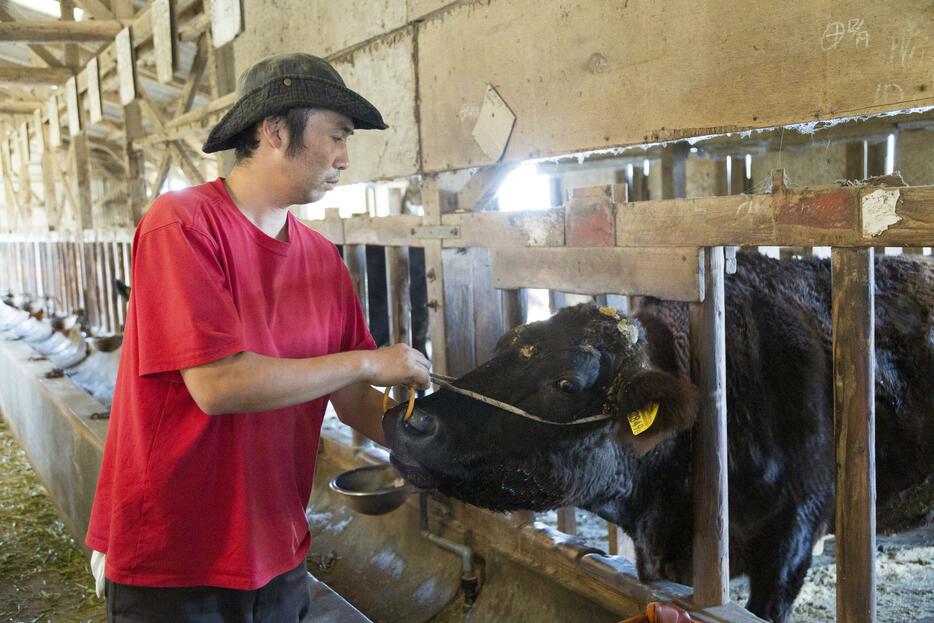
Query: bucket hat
[285,81]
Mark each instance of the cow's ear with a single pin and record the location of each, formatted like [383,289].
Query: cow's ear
[654,406]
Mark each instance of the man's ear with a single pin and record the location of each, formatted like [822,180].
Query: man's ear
[273,131]
[654,406]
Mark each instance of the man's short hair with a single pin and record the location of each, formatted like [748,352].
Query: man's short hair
[295,120]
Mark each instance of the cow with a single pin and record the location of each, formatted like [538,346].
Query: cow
[586,360]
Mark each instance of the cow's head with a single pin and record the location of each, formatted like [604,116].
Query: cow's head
[581,362]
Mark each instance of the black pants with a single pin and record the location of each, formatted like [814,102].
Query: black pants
[285,599]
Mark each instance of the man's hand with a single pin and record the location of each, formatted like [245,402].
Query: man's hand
[399,365]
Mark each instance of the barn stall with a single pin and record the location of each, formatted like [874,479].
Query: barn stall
[650,167]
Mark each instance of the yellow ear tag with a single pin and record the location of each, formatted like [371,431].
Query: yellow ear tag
[641,420]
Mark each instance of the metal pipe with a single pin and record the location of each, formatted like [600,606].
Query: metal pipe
[468,575]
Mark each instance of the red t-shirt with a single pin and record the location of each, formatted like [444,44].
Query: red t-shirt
[189,499]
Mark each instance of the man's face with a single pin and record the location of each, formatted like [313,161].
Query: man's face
[316,169]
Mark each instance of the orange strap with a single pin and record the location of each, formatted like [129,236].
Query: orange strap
[408,411]
[659,613]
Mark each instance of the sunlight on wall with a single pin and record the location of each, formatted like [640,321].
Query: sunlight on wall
[349,199]
[537,305]
[524,189]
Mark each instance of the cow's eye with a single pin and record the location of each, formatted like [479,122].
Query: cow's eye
[568,386]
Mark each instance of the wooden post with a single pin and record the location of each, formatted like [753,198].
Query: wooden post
[854,425]
[355,258]
[82,168]
[711,512]
[399,301]
[21,151]
[737,176]
[875,158]
[67,10]
[514,307]
[855,160]
[88,274]
[134,162]
[434,275]
[49,198]
[674,171]
[567,520]
[107,286]
[488,316]
[459,308]
[223,81]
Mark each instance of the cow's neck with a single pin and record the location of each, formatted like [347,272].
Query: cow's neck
[629,497]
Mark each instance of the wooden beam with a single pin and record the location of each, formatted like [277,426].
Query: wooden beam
[218,106]
[912,206]
[398,231]
[18,108]
[35,75]
[822,215]
[59,31]
[668,273]
[501,229]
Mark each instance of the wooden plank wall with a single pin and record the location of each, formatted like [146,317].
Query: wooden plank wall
[428,73]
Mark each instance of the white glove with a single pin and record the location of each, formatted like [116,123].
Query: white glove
[97,570]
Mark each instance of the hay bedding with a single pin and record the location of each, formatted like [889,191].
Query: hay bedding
[904,575]
[43,573]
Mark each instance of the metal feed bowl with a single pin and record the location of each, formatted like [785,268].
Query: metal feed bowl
[373,489]
[105,343]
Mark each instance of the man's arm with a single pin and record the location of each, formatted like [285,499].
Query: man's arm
[361,407]
[248,382]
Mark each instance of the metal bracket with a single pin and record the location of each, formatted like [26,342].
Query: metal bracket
[437,232]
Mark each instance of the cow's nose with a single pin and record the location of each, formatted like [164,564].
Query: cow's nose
[420,424]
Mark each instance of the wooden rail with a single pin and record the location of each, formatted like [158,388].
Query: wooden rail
[597,224]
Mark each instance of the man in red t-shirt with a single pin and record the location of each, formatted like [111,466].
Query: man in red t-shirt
[242,324]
